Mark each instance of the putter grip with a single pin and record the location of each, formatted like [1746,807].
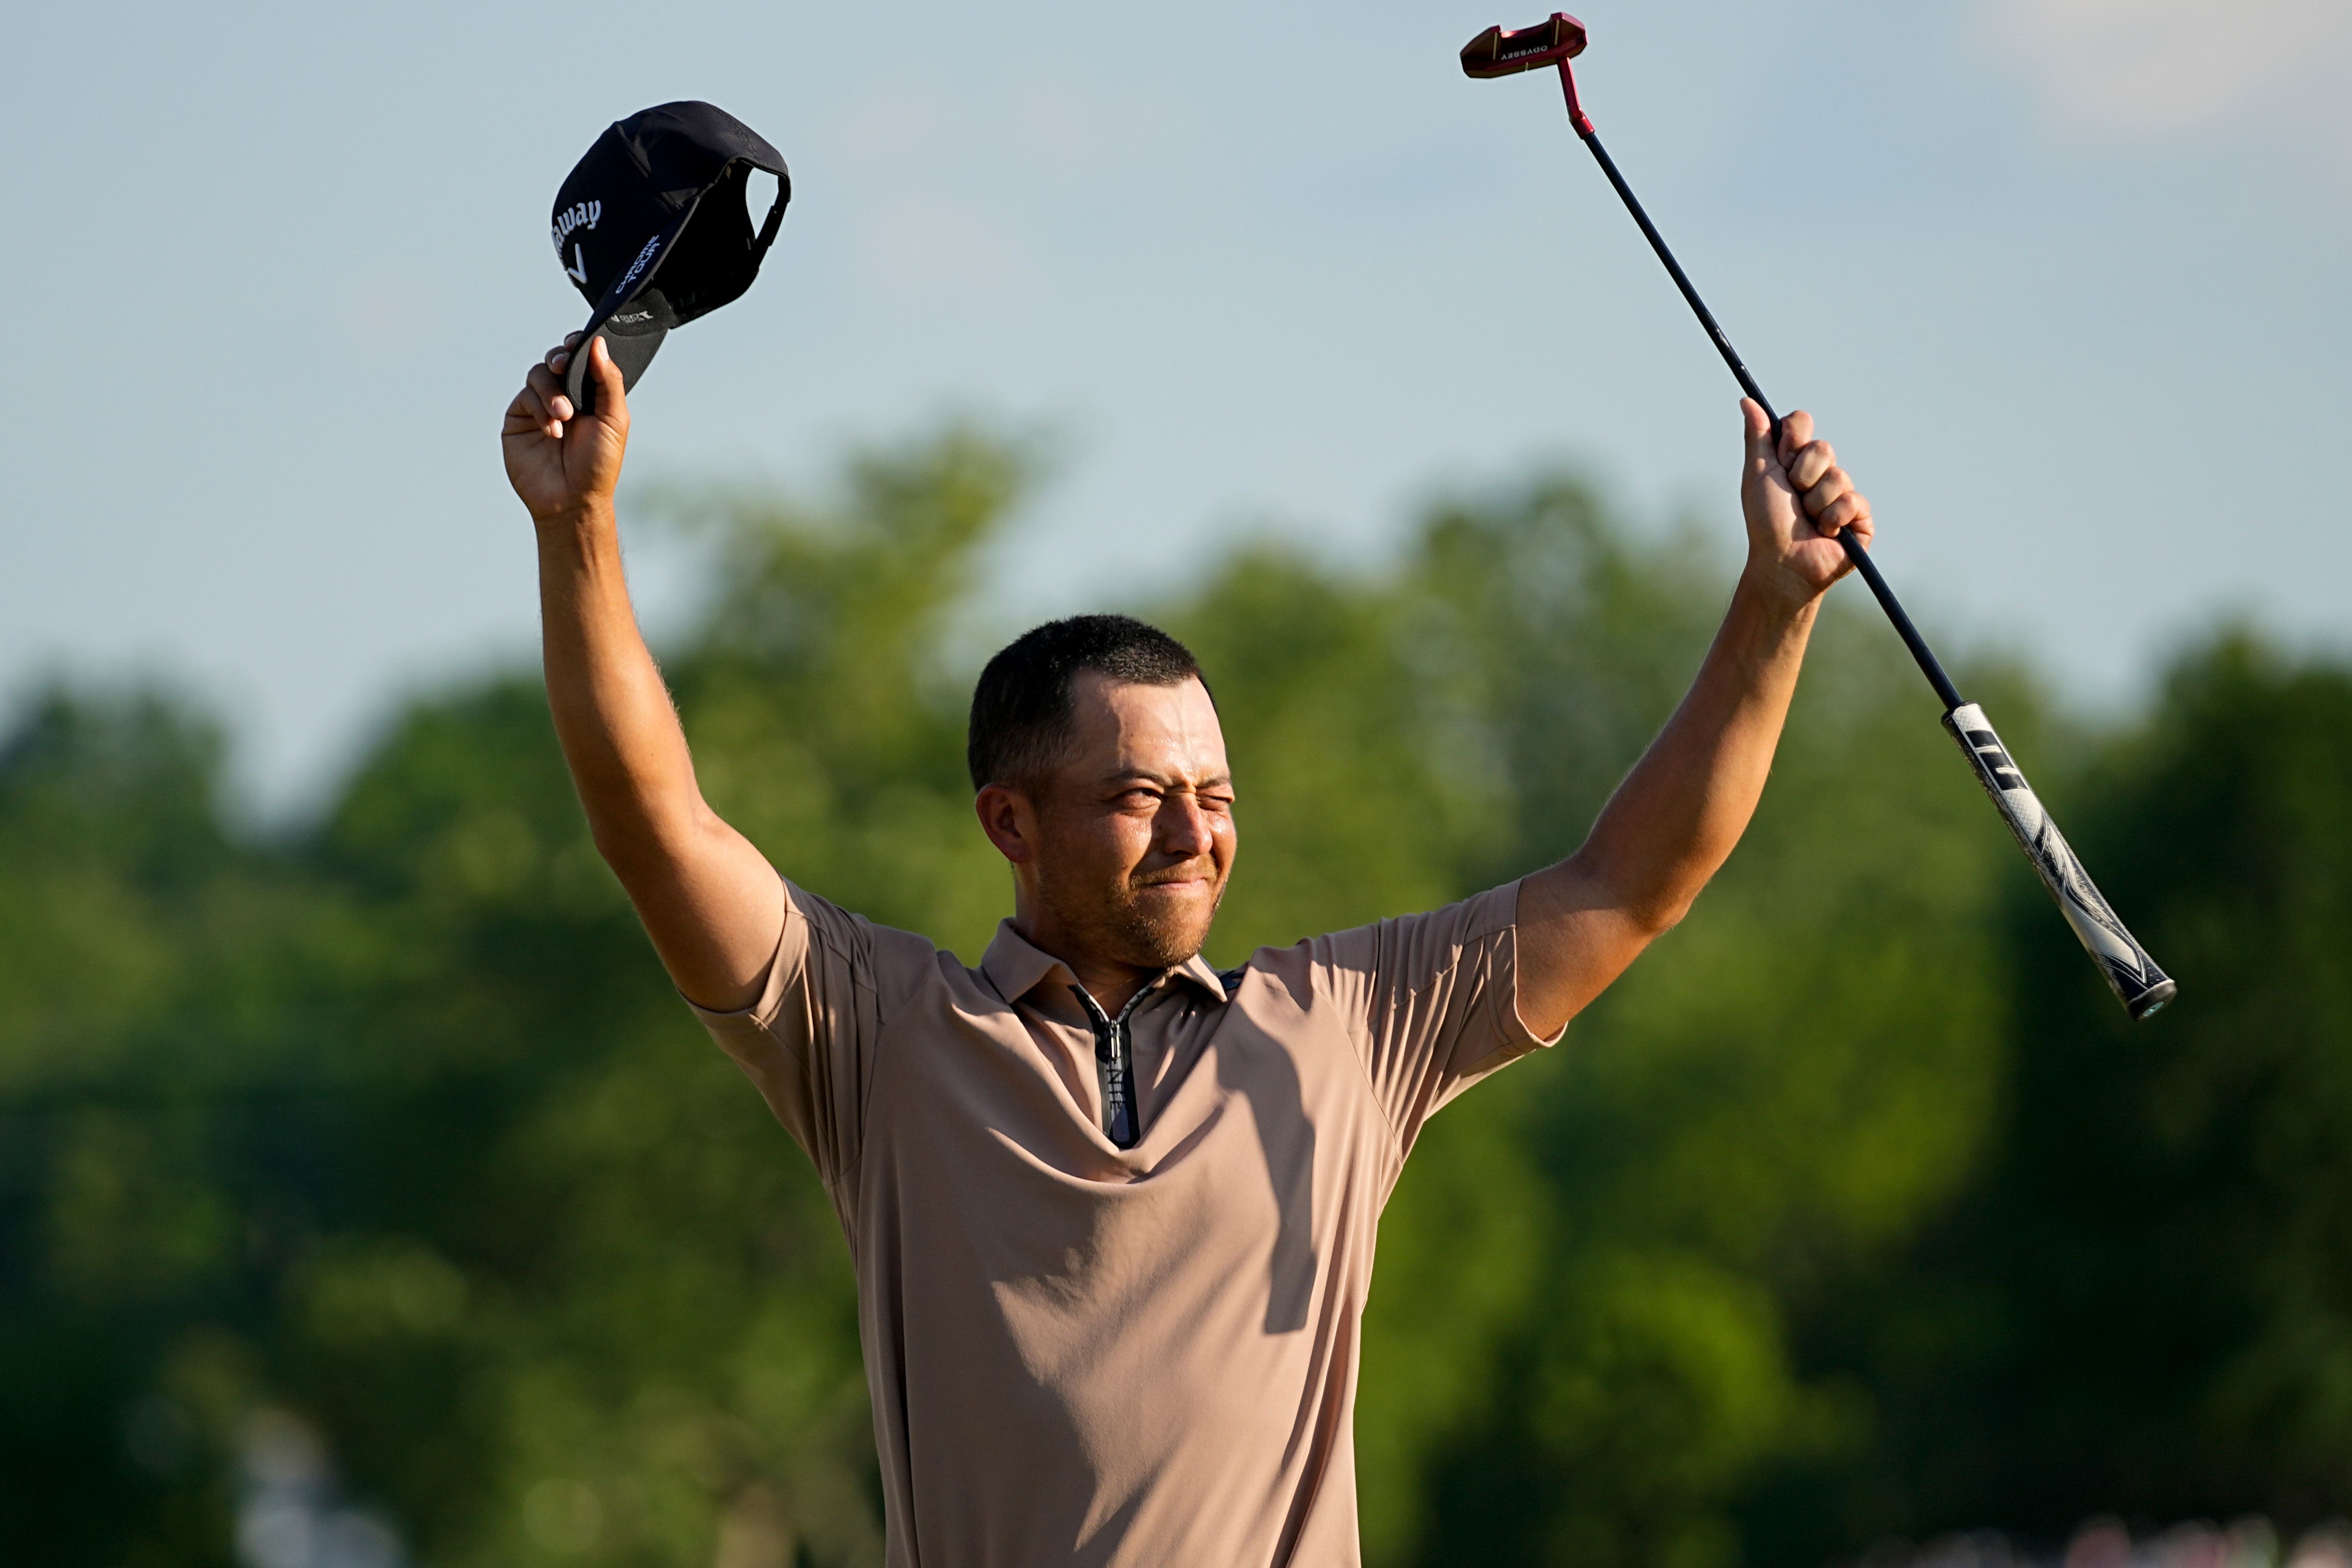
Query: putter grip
[2138,983]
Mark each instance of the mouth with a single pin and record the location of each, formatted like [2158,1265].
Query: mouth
[1199,881]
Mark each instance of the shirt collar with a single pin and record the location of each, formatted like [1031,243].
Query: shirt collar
[1014,966]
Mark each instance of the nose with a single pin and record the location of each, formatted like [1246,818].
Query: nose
[1184,828]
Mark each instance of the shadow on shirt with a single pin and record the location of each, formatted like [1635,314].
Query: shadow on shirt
[1261,1072]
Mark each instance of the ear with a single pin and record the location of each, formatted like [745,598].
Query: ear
[1010,821]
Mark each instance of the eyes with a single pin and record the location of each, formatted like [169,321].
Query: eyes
[1145,800]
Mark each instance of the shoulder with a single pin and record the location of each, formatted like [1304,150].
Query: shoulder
[893,964]
[1419,944]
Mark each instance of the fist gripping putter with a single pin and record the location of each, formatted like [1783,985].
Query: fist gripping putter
[654,227]
[2137,983]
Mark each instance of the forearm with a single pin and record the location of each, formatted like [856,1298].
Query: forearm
[1678,814]
[1672,822]
[707,896]
[1675,820]
[613,715]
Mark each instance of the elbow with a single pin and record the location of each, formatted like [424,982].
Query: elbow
[1653,918]
[642,844]
[1648,904]
[1655,906]
[621,845]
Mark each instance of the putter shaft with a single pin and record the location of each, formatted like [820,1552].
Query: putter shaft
[1929,665]
[2137,983]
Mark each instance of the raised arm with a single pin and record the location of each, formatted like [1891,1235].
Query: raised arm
[1677,816]
[709,899]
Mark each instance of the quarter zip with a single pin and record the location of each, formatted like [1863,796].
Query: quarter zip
[1115,1067]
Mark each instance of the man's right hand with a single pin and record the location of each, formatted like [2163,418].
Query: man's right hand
[560,460]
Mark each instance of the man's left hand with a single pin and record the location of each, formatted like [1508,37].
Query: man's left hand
[1797,500]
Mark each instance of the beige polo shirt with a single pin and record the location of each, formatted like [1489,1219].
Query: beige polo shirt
[1085,1354]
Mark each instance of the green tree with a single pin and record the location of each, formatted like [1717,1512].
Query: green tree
[1769,1102]
[1854,1210]
[130,916]
[2146,1304]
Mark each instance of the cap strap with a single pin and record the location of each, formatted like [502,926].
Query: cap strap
[775,220]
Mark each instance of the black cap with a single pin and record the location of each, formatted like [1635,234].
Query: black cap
[654,228]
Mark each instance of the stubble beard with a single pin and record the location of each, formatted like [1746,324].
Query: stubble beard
[1148,935]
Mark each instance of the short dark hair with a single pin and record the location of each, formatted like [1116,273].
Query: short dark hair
[1021,710]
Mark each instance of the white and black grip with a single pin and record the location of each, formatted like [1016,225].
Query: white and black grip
[2138,983]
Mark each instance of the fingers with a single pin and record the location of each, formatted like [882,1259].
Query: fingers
[1850,510]
[526,412]
[548,386]
[1829,485]
[1827,490]
[1759,432]
[1826,486]
[1796,433]
[612,394]
[541,405]
[1806,459]
[1814,462]
[544,404]
[1862,525]
[1834,505]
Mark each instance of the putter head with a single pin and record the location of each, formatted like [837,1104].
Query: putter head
[1496,52]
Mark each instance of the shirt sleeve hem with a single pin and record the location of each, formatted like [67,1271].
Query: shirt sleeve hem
[1517,1037]
[774,980]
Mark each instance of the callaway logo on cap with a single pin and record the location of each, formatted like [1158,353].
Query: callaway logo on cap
[653,225]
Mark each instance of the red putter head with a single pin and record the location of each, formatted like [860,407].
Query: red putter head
[1496,53]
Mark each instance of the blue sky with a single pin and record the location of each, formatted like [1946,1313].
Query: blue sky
[2065,279]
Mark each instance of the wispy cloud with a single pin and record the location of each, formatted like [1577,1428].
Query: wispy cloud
[2130,67]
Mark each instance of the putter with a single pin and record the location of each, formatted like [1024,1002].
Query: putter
[2137,983]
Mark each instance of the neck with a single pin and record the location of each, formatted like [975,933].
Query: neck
[1111,981]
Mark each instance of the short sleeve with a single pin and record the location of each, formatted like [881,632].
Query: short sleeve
[809,1042]
[1432,1000]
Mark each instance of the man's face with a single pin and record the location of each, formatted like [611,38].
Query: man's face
[1134,830]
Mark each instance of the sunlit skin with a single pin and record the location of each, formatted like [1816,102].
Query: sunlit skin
[1677,817]
[1120,857]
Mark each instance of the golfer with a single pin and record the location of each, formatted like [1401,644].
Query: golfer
[1112,1210]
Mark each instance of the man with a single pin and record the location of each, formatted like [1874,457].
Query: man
[1112,1210]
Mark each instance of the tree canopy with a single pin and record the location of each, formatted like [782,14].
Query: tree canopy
[1854,1211]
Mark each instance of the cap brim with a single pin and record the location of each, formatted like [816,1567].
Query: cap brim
[631,351]
[632,343]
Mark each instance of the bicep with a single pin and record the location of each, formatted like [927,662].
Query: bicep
[1574,937]
[1429,998]
[712,905]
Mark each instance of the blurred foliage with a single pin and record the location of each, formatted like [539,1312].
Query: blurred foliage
[1855,1210]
